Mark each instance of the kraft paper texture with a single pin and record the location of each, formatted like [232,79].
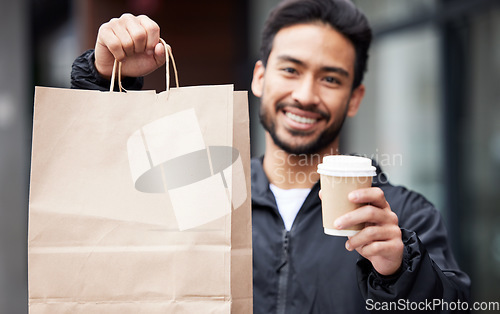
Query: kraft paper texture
[140,202]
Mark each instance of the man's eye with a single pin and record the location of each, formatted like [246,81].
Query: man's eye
[289,70]
[331,80]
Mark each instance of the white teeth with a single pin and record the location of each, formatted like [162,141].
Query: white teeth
[300,119]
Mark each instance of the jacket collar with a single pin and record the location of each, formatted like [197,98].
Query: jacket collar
[261,193]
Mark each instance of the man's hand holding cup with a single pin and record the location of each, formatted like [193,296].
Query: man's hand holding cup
[351,207]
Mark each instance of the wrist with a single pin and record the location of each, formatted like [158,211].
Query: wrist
[100,71]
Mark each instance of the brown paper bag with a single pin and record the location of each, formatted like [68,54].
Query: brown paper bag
[140,202]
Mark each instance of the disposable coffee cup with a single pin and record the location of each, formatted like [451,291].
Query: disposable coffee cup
[340,175]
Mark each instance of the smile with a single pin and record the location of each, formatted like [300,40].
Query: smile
[300,119]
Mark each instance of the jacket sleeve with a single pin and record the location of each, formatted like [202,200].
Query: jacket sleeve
[429,276]
[84,75]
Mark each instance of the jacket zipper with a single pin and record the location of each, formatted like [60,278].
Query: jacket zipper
[283,271]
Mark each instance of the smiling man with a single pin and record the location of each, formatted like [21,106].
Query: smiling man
[309,79]
[309,75]
[306,92]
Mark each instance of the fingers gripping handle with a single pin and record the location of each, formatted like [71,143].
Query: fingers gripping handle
[117,70]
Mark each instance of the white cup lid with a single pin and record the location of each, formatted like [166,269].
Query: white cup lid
[347,166]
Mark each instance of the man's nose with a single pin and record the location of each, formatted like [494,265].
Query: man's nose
[305,92]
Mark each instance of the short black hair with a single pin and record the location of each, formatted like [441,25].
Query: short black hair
[342,15]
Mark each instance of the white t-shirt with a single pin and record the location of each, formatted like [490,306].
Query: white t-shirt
[289,203]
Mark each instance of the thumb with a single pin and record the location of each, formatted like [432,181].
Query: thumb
[159,54]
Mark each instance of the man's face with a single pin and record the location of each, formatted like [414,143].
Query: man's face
[306,87]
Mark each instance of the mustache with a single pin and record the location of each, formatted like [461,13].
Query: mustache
[311,108]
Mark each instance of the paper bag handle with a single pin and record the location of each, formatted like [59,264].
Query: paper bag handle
[168,52]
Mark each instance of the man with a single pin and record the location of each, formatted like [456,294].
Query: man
[309,79]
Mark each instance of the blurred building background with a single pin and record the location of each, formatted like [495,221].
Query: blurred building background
[430,116]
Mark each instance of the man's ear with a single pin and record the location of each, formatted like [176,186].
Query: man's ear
[356,97]
[258,79]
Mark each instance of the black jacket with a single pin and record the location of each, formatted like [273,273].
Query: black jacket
[305,271]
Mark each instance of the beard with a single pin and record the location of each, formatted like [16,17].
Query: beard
[323,140]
